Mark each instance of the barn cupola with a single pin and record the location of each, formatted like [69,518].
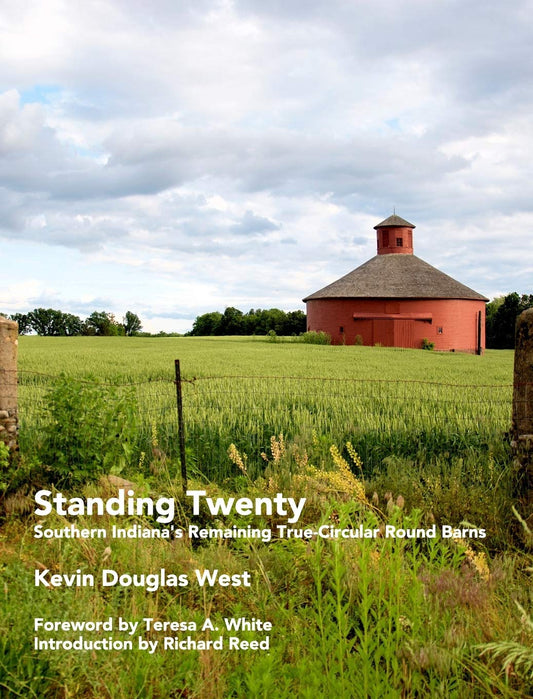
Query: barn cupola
[395,236]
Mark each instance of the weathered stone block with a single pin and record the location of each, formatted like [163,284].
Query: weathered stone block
[8,381]
[522,426]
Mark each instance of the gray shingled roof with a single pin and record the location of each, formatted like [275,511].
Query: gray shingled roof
[396,276]
[395,220]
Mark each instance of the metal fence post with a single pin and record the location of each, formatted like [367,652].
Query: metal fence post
[181,428]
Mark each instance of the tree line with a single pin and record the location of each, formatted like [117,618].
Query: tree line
[51,322]
[254,322]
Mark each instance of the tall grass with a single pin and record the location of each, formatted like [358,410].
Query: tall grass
[385,401]
[355,618]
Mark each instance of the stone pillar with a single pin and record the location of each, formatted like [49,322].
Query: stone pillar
[8,382]
[522,427]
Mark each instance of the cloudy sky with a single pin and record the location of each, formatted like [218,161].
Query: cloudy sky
[173,157]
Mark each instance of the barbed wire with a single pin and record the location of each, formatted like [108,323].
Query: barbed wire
[249,409]
[259,377]
[245,386]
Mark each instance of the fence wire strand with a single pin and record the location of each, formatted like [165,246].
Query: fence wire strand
[247,410]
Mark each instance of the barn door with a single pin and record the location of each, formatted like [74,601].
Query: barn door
[404,333]
[384,332]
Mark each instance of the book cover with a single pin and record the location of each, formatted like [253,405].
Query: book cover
[262,433]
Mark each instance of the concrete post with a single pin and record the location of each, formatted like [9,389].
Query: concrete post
[8,383]
[522,427]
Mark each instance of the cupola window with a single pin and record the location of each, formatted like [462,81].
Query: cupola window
[399,242]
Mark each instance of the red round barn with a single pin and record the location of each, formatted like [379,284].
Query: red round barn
[398,300]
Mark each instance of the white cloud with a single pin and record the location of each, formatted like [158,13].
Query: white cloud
[240,151]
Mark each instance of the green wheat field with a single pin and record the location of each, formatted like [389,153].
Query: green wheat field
[371,437]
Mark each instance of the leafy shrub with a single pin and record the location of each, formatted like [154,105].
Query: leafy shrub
[6,471]
[17,476]
[90,431]
[315,338]
[358,340]
[427,345]
[26,674]
[4,456]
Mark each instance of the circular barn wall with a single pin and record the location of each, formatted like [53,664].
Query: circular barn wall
[451,324]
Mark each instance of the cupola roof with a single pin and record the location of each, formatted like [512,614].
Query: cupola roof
[396,221]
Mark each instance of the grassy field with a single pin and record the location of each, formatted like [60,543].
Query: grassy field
[369,436]
[152,358]
[385,401]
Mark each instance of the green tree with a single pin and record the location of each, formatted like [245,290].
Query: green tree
[501,319]
[295,323]
[102,323]
[49,321]
[43,320]
[132,323]
[23,321]
[206,324]
[267,320]
[71,324]
[490,320]
[232,322]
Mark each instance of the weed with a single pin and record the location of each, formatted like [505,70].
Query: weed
[315,338]
[89,432]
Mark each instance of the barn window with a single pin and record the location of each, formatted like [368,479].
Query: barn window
[439,331]
[399,242]
[341,329]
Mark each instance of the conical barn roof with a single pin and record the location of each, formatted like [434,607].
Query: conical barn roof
[396,276]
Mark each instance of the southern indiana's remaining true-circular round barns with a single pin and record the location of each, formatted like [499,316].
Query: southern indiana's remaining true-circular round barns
[398,300]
